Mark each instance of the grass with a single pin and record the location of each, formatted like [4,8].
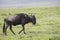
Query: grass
[46,28]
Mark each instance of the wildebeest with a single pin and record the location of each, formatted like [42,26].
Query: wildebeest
[18,19]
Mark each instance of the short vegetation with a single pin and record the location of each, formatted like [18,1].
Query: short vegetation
[46,28]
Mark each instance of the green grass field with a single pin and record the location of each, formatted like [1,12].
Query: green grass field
[46,28]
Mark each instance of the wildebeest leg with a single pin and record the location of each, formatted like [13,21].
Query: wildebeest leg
[22,30]
[12,30]
[6,30]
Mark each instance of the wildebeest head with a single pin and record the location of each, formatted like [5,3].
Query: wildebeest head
[33,19]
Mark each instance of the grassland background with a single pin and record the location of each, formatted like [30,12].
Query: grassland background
[46,28]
